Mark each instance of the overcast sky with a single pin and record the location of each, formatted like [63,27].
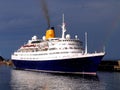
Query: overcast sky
[21,19]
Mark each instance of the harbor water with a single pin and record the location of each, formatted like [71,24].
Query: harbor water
[11,79]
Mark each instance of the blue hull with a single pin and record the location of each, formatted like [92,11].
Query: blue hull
[86,65]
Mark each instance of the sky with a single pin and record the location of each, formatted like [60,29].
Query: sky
[22,19]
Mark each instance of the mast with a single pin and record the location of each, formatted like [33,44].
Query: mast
[85,42]
[63,27]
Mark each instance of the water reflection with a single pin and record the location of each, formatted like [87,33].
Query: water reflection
[5,77]
[27,80]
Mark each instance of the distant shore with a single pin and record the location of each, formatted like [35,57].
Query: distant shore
[109,65]
[8,63]
[4,61]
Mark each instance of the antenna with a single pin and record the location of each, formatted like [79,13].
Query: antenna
[85,42]
[63,27]
[63,18]
[104,49]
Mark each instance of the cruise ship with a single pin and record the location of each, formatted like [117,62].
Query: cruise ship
[57,54]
